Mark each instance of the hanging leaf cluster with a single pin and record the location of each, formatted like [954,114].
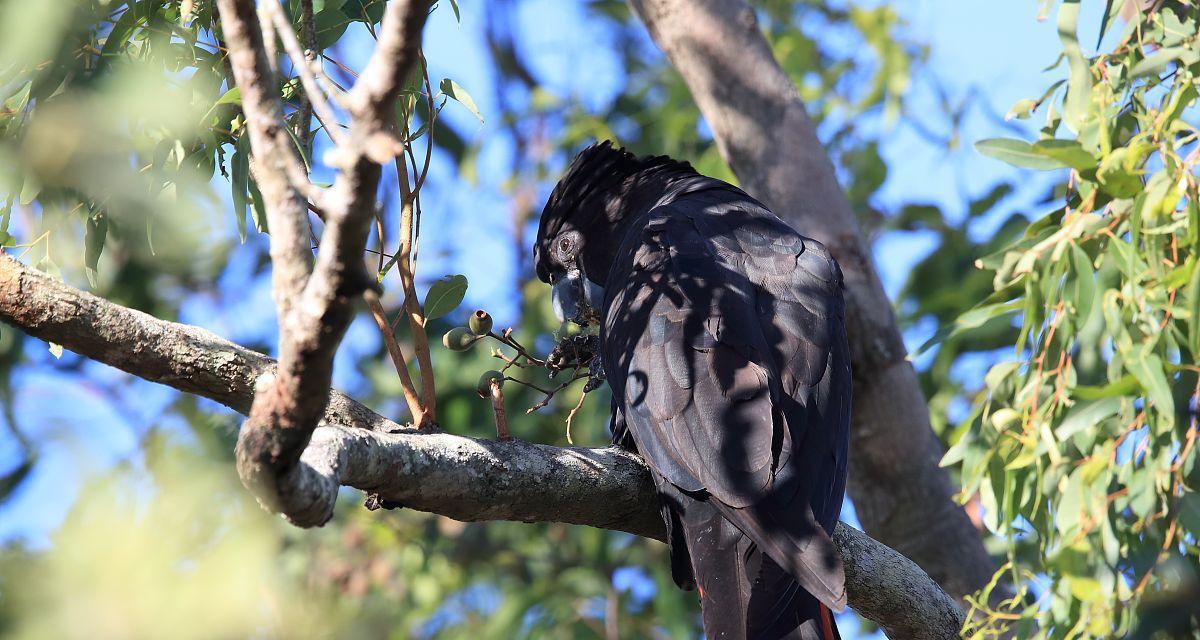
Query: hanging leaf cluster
[1082,450]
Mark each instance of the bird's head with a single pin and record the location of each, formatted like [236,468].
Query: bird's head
[582,225]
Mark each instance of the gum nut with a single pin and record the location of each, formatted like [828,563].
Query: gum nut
[459,339]
[484,387]
[481,322]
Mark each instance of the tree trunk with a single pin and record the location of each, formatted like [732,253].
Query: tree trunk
[902,496]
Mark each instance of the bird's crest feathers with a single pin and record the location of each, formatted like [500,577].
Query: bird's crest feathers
[599,183]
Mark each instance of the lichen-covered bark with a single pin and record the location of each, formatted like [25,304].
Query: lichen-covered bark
[458,477]
[760,125]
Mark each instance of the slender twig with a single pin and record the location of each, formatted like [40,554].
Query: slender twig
[347,70]
[510,362]
[382,241]
[549,393]
[416,237]
[385,255]
[268,34]
[313,98]
[571,415]
[308,38]
[429,127]
[389,340]
[412,308]
[498,410]
[507,339]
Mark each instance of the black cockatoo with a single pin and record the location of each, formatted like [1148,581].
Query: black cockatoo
[722,336]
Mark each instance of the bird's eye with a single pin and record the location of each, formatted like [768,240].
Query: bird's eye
[566,247]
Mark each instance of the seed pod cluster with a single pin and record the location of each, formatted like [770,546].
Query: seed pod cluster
[463,338]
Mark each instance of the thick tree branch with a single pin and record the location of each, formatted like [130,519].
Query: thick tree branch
[760,125]
[181,356]
[314,311]
[458,477]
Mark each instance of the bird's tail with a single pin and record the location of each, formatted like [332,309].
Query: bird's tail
[743,592]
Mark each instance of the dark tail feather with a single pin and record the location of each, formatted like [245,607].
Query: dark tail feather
[744,593]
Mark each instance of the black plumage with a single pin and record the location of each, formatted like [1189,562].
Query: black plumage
[723,339]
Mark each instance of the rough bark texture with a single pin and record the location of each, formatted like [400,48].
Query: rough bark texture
[181,356]
[900,493]
[458,477]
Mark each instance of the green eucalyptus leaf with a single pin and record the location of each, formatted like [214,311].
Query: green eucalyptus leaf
[1157,62]
[1017,153]
[1193,300]
[1148,369]
[95,232]
[232,96]
[6,239]
[1079,83]
[1123,386]
[1189,513]
[30,190]
[1119,174]
[239,178]
[1083,291]
[121,32]
[444,296]
[12,480]
[972,319]
[455,92]
[1022,109]
[1110,9]
[1068,152]
[1086,415]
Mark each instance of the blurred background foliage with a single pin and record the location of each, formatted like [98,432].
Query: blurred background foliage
[122,170]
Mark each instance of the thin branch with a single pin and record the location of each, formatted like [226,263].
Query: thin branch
[312,98]
[393,349]
[507,339]
[412,309]
[308,37]
[431,120]
[497,395]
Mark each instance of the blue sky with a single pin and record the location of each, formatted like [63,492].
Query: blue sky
[994,48]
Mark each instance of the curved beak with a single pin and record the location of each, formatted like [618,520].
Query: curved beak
[576,298]
[565,295]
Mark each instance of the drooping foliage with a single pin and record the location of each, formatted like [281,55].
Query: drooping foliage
[1082,445]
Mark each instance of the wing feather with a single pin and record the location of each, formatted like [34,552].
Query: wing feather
[726,350]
